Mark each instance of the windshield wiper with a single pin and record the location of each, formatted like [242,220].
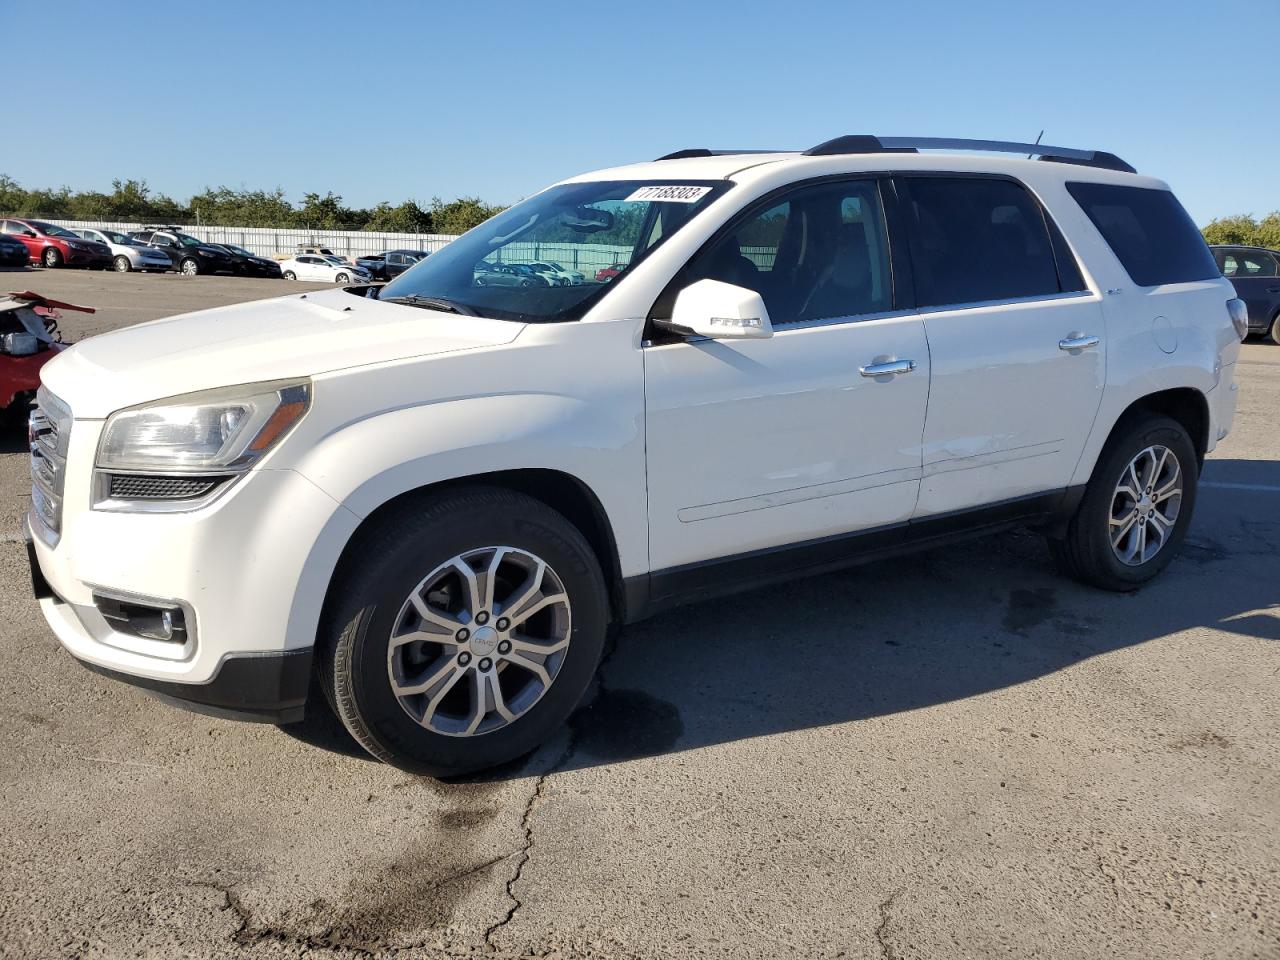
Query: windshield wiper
[432,303]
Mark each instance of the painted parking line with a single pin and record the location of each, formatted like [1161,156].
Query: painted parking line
[1258,487]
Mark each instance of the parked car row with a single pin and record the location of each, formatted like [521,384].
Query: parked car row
[542,273]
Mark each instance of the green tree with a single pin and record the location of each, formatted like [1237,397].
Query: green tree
[1244,229]
[408,217]
[459,216]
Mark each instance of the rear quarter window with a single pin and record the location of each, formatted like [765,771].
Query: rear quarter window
[1149,231]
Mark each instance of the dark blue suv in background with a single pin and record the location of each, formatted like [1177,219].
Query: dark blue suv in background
[1255,273]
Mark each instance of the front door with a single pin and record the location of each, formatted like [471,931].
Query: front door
[1015,339]
[758,444]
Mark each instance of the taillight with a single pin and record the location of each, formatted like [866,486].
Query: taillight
[1239,316]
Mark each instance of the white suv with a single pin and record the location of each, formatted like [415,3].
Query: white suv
[438,498]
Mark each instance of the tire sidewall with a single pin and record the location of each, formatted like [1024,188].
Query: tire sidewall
[1095,510]
[360,660]
[122,264]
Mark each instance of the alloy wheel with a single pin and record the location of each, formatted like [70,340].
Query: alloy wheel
[1145,505]
[479,641]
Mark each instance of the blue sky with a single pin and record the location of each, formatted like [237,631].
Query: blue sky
[415,99]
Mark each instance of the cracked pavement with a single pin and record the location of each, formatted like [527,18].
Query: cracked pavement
[957,754]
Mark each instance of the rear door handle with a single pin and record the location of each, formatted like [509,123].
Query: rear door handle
[887,368]
[1273,289]
[1078,343]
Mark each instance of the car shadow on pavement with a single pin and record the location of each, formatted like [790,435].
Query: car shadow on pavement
[912,632]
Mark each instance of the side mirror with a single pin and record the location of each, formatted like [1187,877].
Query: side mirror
[719,311]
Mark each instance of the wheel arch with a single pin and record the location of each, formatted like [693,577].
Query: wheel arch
[566,494]
[1187,405]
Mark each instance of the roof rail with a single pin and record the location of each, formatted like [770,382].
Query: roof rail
[865,143]
[704,152]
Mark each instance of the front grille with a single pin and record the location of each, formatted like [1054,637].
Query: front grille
[130,486]
[48,436]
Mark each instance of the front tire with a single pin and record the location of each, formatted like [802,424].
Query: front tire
[189,267]
[1273,332]
[122,264]
[342,278]
[51,258]
[462,631]
[1136,508]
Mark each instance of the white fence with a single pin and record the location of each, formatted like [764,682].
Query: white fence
[269,242]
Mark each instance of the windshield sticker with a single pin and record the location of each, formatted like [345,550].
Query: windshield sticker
[670,194]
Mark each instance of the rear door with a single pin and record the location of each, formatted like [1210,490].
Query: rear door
[756,445]
[1015,341]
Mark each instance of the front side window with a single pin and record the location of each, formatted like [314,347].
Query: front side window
[817,253]
[1152,236]
[591,225]
[978,239]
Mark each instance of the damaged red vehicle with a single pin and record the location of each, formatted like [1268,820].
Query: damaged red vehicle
[29,339]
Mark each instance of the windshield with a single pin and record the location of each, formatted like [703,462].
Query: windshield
[114,237]
[488,270]
[240,250]
[188,241]
[49,230]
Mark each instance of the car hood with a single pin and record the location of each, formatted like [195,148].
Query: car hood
[284,338]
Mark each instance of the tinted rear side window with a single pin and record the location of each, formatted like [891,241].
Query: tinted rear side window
[1149,231]
[977,239]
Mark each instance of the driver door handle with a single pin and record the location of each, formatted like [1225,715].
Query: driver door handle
[887,368]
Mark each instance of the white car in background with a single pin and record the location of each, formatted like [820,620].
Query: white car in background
[562,276]
[312,266]
[128,254]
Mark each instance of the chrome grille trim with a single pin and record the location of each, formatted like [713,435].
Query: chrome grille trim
[48,437]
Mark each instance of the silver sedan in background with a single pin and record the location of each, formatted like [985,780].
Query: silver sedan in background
[128,254]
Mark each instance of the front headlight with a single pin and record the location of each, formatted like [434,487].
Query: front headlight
[220,431]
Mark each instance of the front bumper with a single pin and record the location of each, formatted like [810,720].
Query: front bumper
[249,570]
[80,258]
[266,688]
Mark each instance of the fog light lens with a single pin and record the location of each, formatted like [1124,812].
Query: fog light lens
[167,624]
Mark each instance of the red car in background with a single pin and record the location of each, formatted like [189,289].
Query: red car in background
[608,273]
[56,246]
[29,339]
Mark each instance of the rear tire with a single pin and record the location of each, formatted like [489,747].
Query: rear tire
[51,258]
[1118,542]
[1273,332]
[290,275]
[122,264]
[547,566]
